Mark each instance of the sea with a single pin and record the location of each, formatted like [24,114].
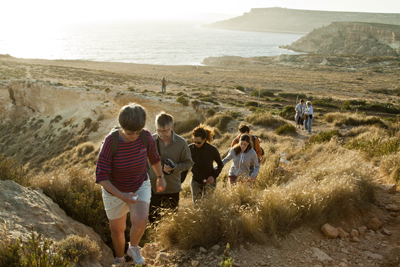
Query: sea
[159,42]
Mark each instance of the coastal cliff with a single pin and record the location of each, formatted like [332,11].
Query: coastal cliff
[297,21]
[345,38]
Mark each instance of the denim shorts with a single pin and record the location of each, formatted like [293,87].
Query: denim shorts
[116,208]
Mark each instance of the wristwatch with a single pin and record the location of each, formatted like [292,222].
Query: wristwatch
[161,176]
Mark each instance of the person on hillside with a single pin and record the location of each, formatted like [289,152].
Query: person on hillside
[242,155]
[163,85]
[124,180]
[310,115]
[245,129]
[300,107]
[204,155]
[175,156]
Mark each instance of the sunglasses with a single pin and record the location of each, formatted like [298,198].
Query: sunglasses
[198,143]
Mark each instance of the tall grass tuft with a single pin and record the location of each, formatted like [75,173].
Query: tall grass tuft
[265,119]
[11,170]
[318,193]
[352,119]
[186,126]
[219,121]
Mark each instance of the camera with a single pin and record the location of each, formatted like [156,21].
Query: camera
[170,164]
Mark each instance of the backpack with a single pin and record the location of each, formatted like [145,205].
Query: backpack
[253,138]
[115,143]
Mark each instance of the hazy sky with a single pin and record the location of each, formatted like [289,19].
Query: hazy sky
[17,12]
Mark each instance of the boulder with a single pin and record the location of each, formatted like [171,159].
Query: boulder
[24,210]
[374,224]
[342,233]
[330,231]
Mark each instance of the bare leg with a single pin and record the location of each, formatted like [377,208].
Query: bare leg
[139,213]
[117,228]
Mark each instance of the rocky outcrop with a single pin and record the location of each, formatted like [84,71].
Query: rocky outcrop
[351,38]
[24,210]
[297,21]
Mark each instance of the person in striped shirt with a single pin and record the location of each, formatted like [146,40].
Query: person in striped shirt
[125,184]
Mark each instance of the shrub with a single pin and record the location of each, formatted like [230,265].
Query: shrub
[380,107]
[186,126]
[80,247]
[182,101]
[210,112]
[219,121]
[251,104]
[233,114]
[11,170]
[288,112]
[352,119]
[323,103]
[208,99]
[84,149]
[239,87]
[261,93]
[323,137]
[346,106]
[265,119]
[286,129]
[377,146]
[293,95]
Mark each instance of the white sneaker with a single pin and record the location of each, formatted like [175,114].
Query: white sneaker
[134,253]
[116,261]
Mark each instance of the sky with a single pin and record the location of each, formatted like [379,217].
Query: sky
[53,12]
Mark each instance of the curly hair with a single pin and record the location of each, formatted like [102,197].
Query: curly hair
[204,132]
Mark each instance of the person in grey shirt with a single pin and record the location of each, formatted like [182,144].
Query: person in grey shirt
[175,158]
[242,155]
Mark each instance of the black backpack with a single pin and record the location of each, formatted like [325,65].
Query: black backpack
[115,143]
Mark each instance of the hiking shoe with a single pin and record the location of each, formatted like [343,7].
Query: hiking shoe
[134,253]
[116,261]
[308,132]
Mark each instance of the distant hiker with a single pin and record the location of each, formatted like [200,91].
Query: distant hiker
[245,129]
[204,155]
[175,158]
[299,113]
[242,155]
[124,180]
[163,85]
[310,115]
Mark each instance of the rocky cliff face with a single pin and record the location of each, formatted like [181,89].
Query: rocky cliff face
[297,21]
[346,38]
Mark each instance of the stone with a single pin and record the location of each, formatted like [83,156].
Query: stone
[195,263]
[391,189]
[386,231]
[216,247]
[372,255]
[330,231]
[342,233]
[203,250]
[354,233]
[392,207]
[362,229]
[163,257]
[320,255]
[374,224]
[355,239]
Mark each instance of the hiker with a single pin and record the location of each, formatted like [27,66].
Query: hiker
[124,180]
[242,155]
[175,158]
[163,85]
[300,107]
[204,154]
[245,129]
[310,115]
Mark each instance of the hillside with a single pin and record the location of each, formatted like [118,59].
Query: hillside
[54,115]
[351,38]
[297,21]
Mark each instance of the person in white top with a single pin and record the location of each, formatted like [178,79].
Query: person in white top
[310,113]
[299,112]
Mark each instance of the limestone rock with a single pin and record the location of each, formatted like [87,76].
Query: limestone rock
[374,224]
[362,229]
[203,250]
[330,231]
[320,255]
[354,233]
[23,209]
[342,233]
[216,247]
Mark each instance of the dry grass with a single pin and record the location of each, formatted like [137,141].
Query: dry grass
[352,119]
[265,119]
[83,248]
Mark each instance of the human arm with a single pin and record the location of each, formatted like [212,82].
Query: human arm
[161,183]
[126,197]
[253,176]
[228,157]
[217,158]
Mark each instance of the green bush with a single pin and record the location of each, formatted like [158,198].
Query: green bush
[288,112]
[80,247]
[286,129]
[239,87]
[11,170]
[376,147]
[186,126]
[210,112]
[293,95]
[323,137]
[265,119]
[251,104]
[323,103]
[219,121]
[262,93]
[380,107]
[346,106]
[182,101]
[233,114]
[208,99]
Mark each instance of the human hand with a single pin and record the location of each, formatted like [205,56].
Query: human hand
[167,168]
[210,180]
[161,184]
[130,197]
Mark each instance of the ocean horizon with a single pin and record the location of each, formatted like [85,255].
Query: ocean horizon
[163,42]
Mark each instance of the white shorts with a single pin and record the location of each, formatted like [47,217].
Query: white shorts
[116,208]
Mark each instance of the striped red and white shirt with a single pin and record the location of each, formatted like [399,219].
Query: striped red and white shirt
[128,168]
